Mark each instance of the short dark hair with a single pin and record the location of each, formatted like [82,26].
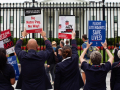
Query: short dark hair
[67,41]
[84,36]
[62,43]
[3,60]
[3,50]
[117,44]
[66,52]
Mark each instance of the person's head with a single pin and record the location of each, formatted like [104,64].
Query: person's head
[84,37]
[67,42]
[3,50]
[117,45]
[66,52]
[61,43]
[60,51]
[3,58]
[118,53]
[32,44]
[54,44]
[95,57]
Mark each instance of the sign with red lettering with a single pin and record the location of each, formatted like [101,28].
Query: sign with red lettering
[66,26]
[6,41]
[33,21]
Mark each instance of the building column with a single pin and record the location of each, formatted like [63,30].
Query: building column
[56,24]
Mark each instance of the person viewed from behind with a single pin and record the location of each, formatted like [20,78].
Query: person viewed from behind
[87,55]
[96,73]
[116,58]
[67,75]
[115,75]
[7,73]
[119,44]
[33,72]
[67,43]
[51,62]
[56,51]
[54,45]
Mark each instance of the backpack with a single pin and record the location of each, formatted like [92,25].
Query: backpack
[90,50]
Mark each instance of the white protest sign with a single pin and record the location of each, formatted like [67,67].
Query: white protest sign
[66,26]
[33,21]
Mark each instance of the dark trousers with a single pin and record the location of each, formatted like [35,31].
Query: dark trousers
[51,70]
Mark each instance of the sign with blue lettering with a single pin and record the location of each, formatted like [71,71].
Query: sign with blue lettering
[96,32]
[13,61]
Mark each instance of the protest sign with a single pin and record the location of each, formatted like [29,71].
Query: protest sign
[96,33]
[6,41]
[33,20]
[66,26]
[13,61]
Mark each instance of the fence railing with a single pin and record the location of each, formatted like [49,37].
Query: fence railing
[12,17]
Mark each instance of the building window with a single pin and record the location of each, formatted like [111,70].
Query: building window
[22,19]
[11,19]
[93,17]
[50,19]
[115,33]
[11,33]
[115,19]
[77,19]
[77,34]
[50,33]
[106,19]
[1,19]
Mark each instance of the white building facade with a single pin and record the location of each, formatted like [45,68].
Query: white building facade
[12,16]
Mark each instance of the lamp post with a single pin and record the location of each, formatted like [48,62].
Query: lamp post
[33,35]
[103,19]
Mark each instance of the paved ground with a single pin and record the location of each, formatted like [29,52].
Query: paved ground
[107,82]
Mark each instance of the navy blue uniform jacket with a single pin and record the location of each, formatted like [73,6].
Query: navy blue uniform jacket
[95,75]
[67,76]
[33,72]
[115,76]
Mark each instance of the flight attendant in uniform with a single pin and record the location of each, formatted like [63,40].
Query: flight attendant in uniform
[115,75]
[97,72]
[67,75]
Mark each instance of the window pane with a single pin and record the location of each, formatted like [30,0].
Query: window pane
[106,19]
[1,19]
[93,17]
[22,19]
[77,20]
[115,19]
[50,19]
[11,19]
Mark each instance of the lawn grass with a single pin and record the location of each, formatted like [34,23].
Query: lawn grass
[101,51]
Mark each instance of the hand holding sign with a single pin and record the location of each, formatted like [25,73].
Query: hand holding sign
[104,44]
[73,35]
[24,33]
[43,34]
[88,45]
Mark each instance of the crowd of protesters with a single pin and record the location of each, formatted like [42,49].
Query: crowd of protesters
[63,64]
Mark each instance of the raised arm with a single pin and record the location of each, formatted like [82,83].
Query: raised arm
[74,45]
[18,45]
[49,48]
[108,52]
[84,52]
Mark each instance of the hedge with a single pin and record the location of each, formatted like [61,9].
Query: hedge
[40,41]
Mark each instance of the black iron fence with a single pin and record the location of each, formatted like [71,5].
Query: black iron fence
[12,17]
